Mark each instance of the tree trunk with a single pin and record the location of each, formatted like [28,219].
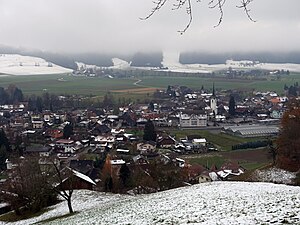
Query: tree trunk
[70,205]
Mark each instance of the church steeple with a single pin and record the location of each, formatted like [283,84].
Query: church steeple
[213,101]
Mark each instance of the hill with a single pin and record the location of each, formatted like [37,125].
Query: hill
[13,64]
[209,203]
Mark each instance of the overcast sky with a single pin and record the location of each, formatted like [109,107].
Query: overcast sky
[73,26]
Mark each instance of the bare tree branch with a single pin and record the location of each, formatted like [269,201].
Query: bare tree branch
[212,4]
[189,12]
[219,5]
[158,5]
[244,5]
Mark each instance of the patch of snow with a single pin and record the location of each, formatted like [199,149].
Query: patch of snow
[14,64]
[84,177]
[274,175]
[218,203]
[120,64]
[171,62]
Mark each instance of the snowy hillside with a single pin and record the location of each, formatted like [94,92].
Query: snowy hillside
[210,203]
[26,65]
[171,61]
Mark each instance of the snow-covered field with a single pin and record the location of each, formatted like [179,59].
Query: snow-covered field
[210,203]
[13,64]
[236,65]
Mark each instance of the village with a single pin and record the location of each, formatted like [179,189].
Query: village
[86,141]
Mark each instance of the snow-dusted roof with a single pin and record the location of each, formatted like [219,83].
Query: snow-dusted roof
[199,140]
[84,177]
[117,162]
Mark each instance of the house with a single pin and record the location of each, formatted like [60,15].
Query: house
[116,166]
[146,147]
[166,142]
[82,166]
[37,124]
[43,151]
[204,177]
[47,117]
[53,133]
[192,119]
[100,129]
[276,114]
[199,142]
[77,180]
[194,171]
[65,145]
[139,160]
[4,208]
[103,142]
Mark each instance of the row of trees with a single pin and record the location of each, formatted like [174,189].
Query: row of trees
[10,95]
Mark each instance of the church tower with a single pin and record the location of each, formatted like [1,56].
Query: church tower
[213,102]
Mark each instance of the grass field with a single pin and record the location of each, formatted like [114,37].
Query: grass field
[66,84]
[250,159]
[222,141]
[222,83]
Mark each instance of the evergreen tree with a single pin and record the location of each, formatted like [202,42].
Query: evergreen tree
[4,149]
[151,106]
[108,101]
[39,104]
[68,130]
[124,174]
[149,131]
[3,157]
[3,96]
[4,141]
[14,94]
[232,106]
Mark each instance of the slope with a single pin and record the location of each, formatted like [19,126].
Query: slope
[13,64]
[210,203]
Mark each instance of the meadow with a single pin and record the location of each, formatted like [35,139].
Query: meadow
[126,87]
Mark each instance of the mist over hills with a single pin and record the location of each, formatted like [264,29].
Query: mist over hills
[99,59]
[153,59]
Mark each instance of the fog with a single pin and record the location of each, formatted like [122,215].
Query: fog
[114,26]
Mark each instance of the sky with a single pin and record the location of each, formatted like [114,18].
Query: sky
[114,26]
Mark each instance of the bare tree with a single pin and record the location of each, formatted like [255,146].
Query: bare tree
[63,184]
[27,187]
[35,182]
[189,4]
